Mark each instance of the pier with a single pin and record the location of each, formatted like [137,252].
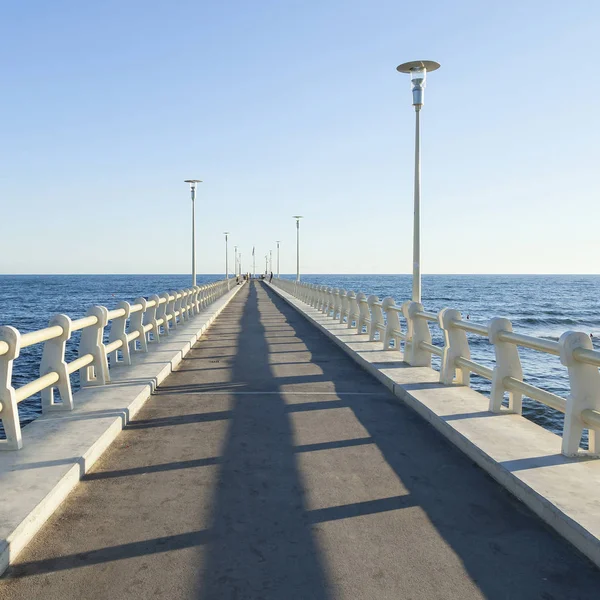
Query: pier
[269,464]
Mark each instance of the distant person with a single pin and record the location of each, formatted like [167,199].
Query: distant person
[271,277]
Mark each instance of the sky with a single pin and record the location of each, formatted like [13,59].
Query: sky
[287,107]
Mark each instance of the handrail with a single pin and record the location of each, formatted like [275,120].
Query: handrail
[536,393]
[575,350]
[82,361]
[591,417]
[470,327]
[129,334]
[83,323]
[116,313]
[35,386]
[431,348]
[589,357]
[528,341]
[481,370]
[428,316]
[41,335]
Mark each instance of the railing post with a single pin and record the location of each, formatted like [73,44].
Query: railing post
[456,345]
[417,331]
[9,412]
[91,342]
[328,304]
[336,302]
[150,318]
[376,316]
[53,359]
[179,305]
[314,299]
[343,304]
[352,309]
[161,313]
[136,323]
[364,316]
[188,304]
[171,310]
[322,298]
[392,324]
[508,364]
[584,394]
[196,299]
[118,331]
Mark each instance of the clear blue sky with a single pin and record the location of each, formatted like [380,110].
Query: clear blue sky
[286,107]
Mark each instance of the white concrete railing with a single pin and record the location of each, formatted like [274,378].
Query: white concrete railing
[132,327]
[381,320]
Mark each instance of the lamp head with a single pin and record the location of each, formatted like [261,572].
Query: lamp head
[418,76]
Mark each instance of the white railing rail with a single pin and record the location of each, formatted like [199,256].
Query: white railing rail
[132,328]
[382,321]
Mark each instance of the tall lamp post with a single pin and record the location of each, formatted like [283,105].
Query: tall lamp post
[270,261]
[226,234]
[193,183]
[418,73]
[297,217]
[278,242]
[235,261]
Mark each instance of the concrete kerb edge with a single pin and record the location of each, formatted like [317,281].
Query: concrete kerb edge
[571,530]
[12,546]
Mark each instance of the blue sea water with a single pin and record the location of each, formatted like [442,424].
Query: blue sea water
[540,305]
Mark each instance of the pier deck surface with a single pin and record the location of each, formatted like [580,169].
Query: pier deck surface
[269,466]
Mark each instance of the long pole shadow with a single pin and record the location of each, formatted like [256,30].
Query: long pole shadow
[261,545]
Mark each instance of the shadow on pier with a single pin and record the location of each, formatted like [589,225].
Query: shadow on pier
[269,466]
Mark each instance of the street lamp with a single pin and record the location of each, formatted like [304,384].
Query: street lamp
[270,261]
[418,73]
[297,217]
[278,242]
[226,234]
[235,261]
[266,264]
[193,183]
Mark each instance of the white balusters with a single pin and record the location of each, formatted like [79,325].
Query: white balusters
[456,345]
[343,304]
[508,364]
[364,315]
[92,343]
[392,326]
[417,331]
[53,360]
[150,317]
[10,338]
[376,323]
[584,397]
[136,324]
[118,332]
[352,309]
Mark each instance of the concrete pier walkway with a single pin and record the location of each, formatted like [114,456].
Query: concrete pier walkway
[269,466]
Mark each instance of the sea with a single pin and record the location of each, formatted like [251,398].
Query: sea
[538,305]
